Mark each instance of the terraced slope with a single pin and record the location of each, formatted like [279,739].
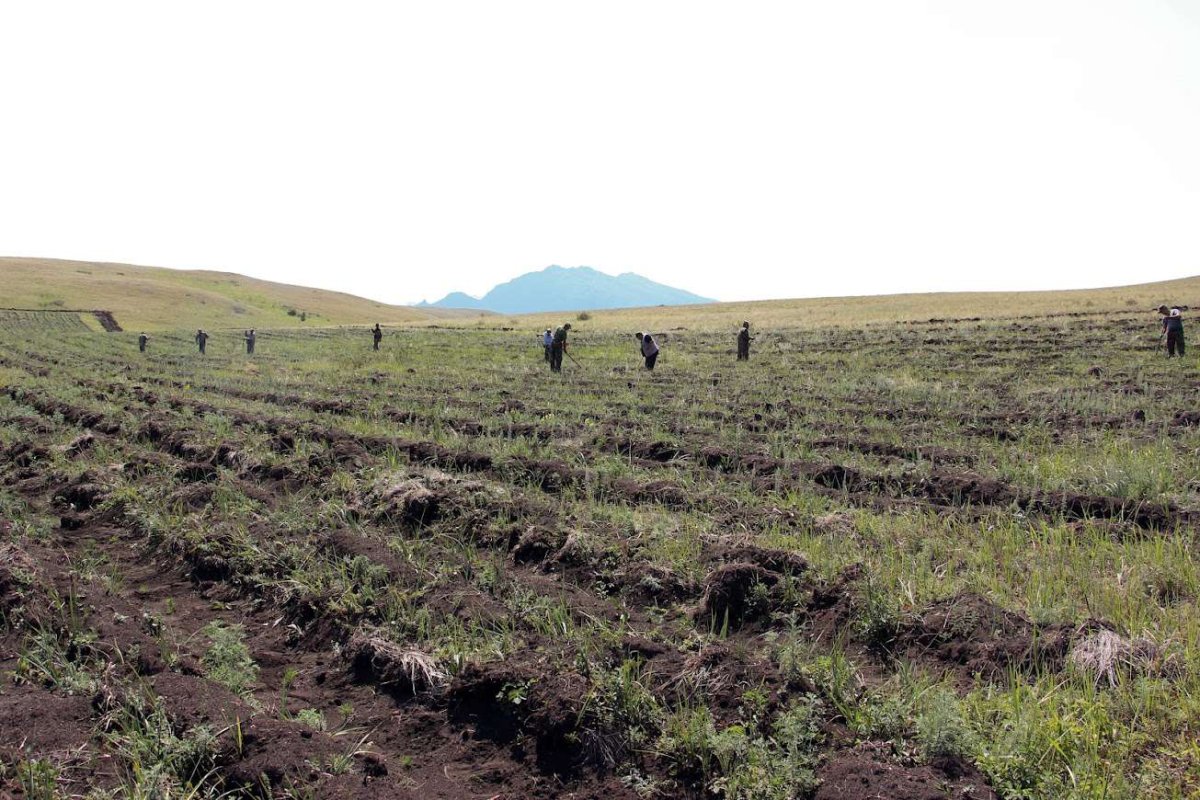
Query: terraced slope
[946,560]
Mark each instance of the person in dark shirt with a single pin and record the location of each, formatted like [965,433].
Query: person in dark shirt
[250,338]
[142,339]
[743,341]
[201,339]
[377,335]
[1172,330]
[558,346]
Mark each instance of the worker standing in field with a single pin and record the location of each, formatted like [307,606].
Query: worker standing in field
[558,346]
[377,335]
[250,337]
[201,339]
[743,341]
[547,341]
[1172,325]
[649,349]
[142,339]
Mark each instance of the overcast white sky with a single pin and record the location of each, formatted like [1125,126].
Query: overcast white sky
[738,150]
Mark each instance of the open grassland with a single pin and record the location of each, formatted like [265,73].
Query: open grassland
[926,560]
[852,312]
[153,298]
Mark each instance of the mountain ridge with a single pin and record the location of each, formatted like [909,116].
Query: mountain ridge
[558,288]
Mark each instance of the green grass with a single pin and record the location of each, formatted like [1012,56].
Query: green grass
[463,584]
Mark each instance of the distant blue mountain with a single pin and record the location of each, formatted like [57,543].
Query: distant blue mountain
[571,289]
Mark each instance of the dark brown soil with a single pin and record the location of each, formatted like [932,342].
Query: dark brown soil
[868,772]
[33,719]
[971,636]
[107,321]
[734,594]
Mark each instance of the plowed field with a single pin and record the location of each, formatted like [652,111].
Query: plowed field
[953,559]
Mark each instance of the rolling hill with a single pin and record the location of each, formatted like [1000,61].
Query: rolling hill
[558,288]
[875,309]
[155,298]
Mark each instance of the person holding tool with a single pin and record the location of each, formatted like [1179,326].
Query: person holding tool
[649,349]
[558,346]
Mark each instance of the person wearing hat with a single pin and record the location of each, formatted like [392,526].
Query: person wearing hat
[558,345]
[1172,330]
[743,340]
[547,341]
[142,339]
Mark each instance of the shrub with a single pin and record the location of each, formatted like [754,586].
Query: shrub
[228,660]
[879,619]
[941,729]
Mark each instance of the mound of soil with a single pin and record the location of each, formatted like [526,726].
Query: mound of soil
[1186,419]
[742,588]
[191,497]
[837,476]
[760,464]
[972,636]
[82,494]
[351,544]
[660,451]
[536,544]
[722,673]
[965,488]
[550,474]
[490,698]
[34,720]
[17,570]
[412,500]
[79,444]
[657,491]
[191,701]
[531,710]
[276,754]
[718,458]
[781,562]
[403,672]
[25,454]
[735,593]
[228,455]
[1148,515]
[868,771]
[342,453]
[649,584]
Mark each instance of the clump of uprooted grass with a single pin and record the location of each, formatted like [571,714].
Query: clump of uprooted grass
[377,658]
[17,571]
[1107,657]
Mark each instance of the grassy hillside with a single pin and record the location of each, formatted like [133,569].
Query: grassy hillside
[155,298]
[855,311]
